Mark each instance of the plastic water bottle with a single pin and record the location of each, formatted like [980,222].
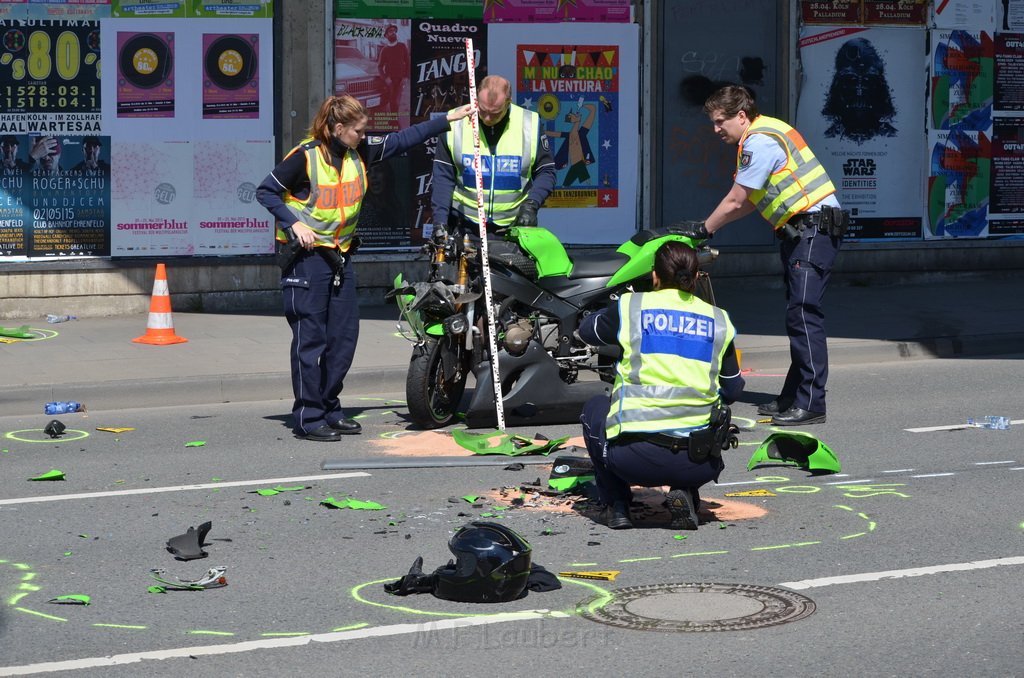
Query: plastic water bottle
[51,318]
[990,421]
[62,407]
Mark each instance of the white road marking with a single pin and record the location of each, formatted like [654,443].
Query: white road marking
[852,482]
[987,463]
[899,470]
[181,488]
[933,475]
[899,574]
[952,427]
[272,643]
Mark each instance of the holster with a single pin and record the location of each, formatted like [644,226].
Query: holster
[288,252]
[719,435]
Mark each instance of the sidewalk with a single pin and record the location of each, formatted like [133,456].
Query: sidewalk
[245,357]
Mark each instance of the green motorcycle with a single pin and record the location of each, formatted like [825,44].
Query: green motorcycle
[540,295]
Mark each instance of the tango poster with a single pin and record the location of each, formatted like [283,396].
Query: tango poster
[580,80]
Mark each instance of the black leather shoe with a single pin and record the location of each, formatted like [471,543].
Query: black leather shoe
[796,416]
[681,509]
[774,407]
[617,516]
[324,434]
[347,426]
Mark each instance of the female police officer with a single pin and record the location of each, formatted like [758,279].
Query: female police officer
[678,365]
[315,194]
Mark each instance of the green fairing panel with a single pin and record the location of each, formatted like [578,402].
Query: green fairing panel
[641,257]
[543,247]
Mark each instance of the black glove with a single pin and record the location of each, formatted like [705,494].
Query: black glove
[527,213]
[691,229]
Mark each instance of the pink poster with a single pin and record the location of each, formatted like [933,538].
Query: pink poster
[535,11]
[145,75]
[231,83]
[371,63]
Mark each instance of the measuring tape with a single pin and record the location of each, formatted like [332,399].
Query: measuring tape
[481,217]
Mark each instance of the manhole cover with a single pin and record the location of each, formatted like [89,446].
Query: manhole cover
[698,607]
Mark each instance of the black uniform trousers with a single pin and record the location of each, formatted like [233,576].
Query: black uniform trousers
[617,465]
[325,328]
[807,265]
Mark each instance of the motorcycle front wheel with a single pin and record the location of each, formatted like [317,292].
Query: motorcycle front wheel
[435,382]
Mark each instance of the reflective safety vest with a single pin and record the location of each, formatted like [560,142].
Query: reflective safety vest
[332,208]
[795,187]
[507,174]
[672,349]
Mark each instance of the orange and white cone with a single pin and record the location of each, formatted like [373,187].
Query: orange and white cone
[160,327]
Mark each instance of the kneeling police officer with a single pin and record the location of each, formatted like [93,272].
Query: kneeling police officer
[667,419]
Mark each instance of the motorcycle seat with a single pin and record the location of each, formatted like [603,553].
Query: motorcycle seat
[596,265]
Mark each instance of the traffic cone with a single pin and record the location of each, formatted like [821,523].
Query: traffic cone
[160,327]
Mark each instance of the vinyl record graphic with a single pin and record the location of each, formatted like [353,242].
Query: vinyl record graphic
[230,62]
[145,61]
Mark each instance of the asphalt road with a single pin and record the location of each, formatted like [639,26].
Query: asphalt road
[938,510]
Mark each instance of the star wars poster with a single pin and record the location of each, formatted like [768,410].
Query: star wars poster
[958,183]
[582,80]
[860,112]
[440,82]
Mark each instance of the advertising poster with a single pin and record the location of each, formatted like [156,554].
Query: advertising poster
[1008,91]
[859,110]
[371,63]
[449,9]
[152,199]
[49,77]
[580,79]
[231,83]
[962,65]
[439,82]
[831,12]
[1006,200]
[896,12]
[237,9]
[235,104]
[533,11]
[226,219]
[15,214]
[145,75]
[575,89]
[67,197]
[11,10]
[958,184]
[75,10]
[155,9]
[374,9]
[1010,15]
[974,15]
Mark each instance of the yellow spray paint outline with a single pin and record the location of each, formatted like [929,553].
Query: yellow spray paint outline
[44,334]
[11,435]
[355,592]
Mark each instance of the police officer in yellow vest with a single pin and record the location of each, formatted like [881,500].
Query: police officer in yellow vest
[516,164]
[315,194]
[778,175]
[677,372]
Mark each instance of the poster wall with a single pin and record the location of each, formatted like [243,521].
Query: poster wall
[151,198]
[371,63]
[581,79]
[860,111]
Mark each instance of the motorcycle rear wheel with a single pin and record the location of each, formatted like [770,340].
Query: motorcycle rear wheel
[435,382]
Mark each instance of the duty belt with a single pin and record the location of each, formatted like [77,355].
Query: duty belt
[831,221]
[673,443]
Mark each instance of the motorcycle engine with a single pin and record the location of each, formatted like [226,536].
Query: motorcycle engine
[517,337]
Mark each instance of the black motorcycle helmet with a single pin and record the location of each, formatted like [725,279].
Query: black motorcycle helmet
[492,566]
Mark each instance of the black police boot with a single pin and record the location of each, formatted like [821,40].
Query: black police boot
[774,407]
[347,426]
[617,516]
[681,509]
[796,416]
[324,434]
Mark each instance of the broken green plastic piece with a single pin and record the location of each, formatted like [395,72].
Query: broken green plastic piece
[271,491]
[55,474]
[471,498]
[569,482]
[679,536]
[350,503]
[71,599]
[499,442]
[157,589]
[16,332]
[196,443]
